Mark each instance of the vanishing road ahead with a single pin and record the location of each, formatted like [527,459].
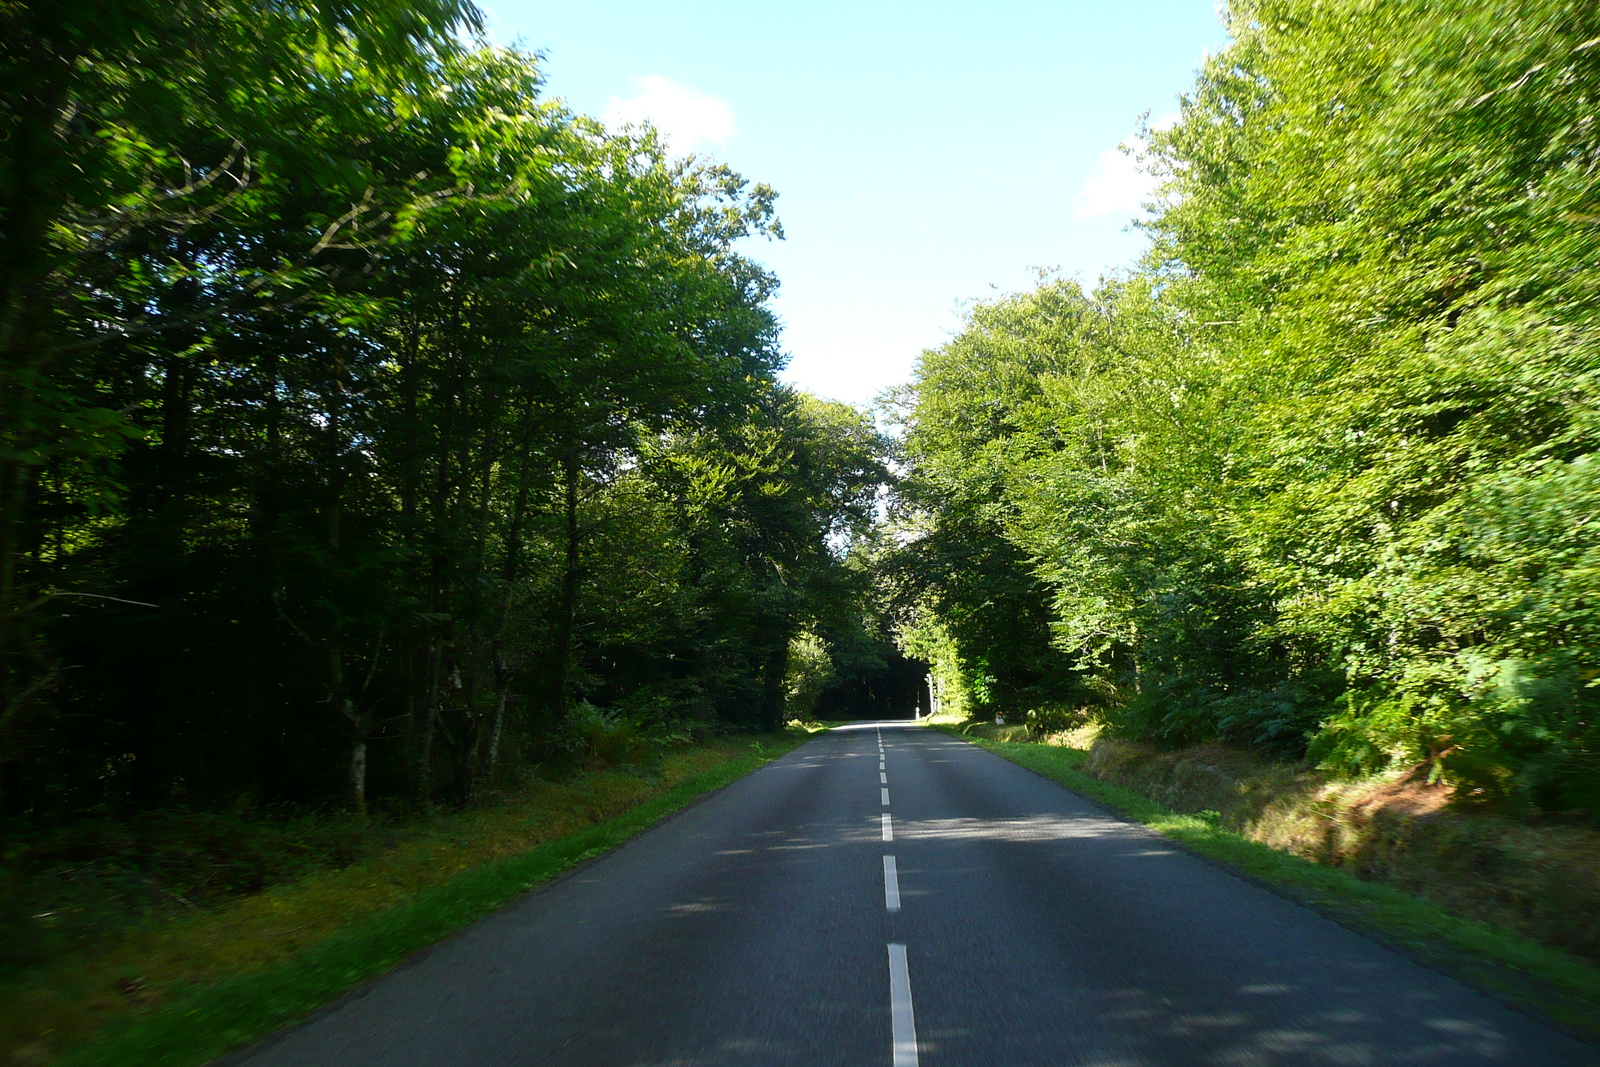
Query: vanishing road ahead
[888,895]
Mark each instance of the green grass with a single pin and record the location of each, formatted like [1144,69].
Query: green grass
[211,1020]
[1541,980]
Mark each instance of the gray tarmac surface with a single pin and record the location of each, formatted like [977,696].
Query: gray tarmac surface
[754,928]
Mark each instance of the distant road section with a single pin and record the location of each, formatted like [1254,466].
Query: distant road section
[984,917]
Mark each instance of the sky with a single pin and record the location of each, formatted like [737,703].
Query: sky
[926,155]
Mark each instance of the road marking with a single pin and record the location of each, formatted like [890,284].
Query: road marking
[880,765]
[888,828]
[891,885]
[883,779]
[885,793]
[902,1020]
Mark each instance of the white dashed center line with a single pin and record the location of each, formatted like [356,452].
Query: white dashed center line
[883,779]
[885,793]
[902,1020]
[888,828]
[891,885]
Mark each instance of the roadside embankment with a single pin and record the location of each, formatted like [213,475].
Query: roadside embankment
[1542,881]
[1511,907]
[187,983]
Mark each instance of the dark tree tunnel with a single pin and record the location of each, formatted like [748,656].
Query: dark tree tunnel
[896,689]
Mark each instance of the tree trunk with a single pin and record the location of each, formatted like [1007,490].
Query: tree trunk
[339,697]
[492,758]
[338,683]
[10,667]
[22,670]
[35,197]
[422,782]
[11,497]
[567,618]
[510,568]
[358,777]
[772,695]
[417,692]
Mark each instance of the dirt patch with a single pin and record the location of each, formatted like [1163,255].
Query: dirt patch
[1410,795]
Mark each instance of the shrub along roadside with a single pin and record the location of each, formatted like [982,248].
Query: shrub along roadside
[1537,979]
[212,1019]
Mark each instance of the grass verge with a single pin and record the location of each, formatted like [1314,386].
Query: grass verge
[202,1020]
[1540,980]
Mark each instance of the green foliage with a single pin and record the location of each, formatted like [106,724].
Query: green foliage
[809,672]
[1318,476]
[365,417]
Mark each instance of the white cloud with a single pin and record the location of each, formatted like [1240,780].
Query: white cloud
[1119,183]
[686,119]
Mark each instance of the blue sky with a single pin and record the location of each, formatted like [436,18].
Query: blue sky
[925,154]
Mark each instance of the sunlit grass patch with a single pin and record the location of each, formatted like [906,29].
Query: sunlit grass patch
[1542,979]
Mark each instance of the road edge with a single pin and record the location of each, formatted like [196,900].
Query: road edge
[1549,986]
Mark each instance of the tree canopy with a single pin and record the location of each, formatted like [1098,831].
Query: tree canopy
[373,426]
[1318,475]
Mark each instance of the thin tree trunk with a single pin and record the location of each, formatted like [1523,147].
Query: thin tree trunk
[339,696]
[358,777]
[175,420]
[22,672]
[409,443]
[11,497]
[35,197]
[338,684]
[569,590]
[448,392]
[494,736]
[478,744]
[422,785]
[10,621]
[772,695]
[510,567]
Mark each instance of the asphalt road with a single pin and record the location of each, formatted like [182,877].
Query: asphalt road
[1015,924]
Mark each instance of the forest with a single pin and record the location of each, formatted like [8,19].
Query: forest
[376,430]
[1318,476]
